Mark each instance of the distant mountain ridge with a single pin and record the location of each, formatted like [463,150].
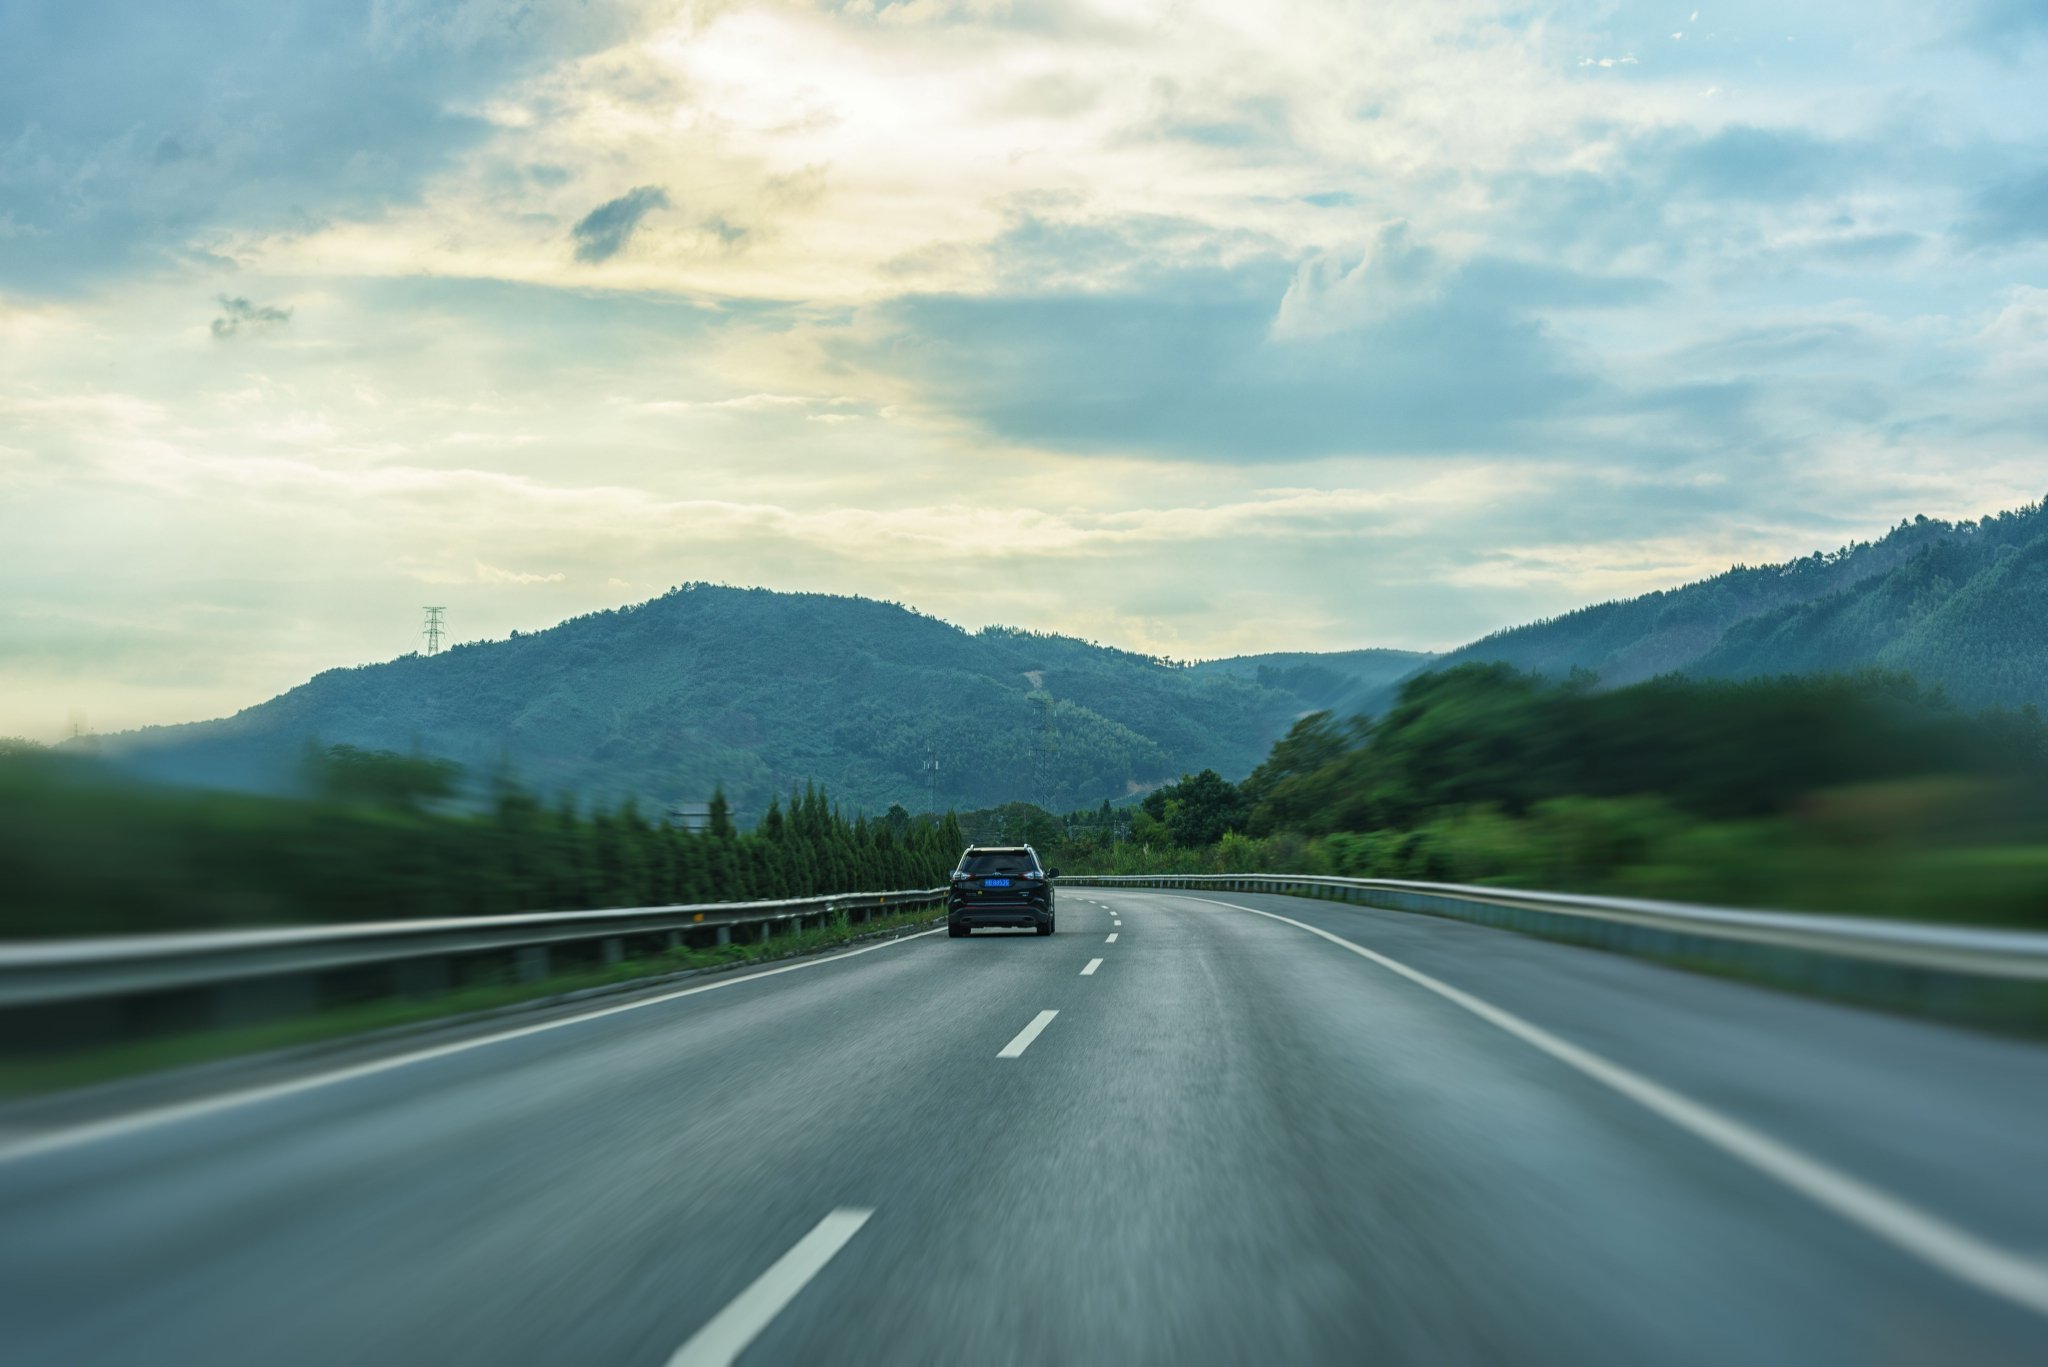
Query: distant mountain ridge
[759,691]
[1959,605]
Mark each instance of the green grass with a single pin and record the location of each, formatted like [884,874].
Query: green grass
[32,1076]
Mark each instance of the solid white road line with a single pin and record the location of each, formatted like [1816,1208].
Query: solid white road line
[1934,1241]
[31,1146]
[740,1323]
[1027,1034]
[1110,941]
[1089,971]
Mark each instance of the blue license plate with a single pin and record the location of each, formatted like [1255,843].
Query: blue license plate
[995,882]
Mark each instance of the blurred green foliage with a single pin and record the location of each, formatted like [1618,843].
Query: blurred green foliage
[83,851]
[344,773]
[1851,793]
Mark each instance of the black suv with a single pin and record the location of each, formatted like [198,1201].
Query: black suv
[1000,885]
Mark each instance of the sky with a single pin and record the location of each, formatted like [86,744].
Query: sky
[1200,328]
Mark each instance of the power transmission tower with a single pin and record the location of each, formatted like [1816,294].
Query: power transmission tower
[432,629]
[931,801]
[1043,769]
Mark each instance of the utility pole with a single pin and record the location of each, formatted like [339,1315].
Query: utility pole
[432,629]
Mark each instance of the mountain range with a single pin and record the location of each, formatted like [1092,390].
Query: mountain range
[758,691]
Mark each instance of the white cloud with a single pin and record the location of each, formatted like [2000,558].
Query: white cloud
[491,574]
[1334,294]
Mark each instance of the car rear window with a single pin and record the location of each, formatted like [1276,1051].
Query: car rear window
[1000,861]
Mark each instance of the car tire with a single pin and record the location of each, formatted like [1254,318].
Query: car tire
[1045,926]
[957,932]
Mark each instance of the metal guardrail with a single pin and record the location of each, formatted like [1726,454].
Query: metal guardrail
[75,989]
[69,991]
[1963,972]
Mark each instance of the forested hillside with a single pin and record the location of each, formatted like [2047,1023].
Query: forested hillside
[1959,605]
[1336,681]
[764,691]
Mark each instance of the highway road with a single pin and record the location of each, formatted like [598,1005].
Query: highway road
[1188,1128]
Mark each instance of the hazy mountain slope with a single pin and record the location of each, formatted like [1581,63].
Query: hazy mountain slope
[1640,638]
[1969,613]
[1989,641]
[760,690]
[1960,605]
[1334,680]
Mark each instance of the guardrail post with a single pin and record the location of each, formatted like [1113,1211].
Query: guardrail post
[253,1000]
[530,964]
[725,935]
[674,939]
[614,949]
[424,977]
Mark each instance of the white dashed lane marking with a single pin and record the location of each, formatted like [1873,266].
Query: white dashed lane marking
[1029,1033]
[729,1332]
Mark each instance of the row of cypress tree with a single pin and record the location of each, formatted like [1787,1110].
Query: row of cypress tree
[563,859]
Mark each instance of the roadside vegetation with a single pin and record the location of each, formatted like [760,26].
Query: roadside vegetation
[1856,793]
[380,836]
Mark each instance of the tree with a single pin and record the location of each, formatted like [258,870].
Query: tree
[721,816]
[1202,808]
[1309,744]
[379,778]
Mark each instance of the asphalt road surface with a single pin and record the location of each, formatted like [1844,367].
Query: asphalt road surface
[1231,1140]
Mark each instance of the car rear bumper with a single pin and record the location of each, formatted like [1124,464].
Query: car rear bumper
[977,915]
